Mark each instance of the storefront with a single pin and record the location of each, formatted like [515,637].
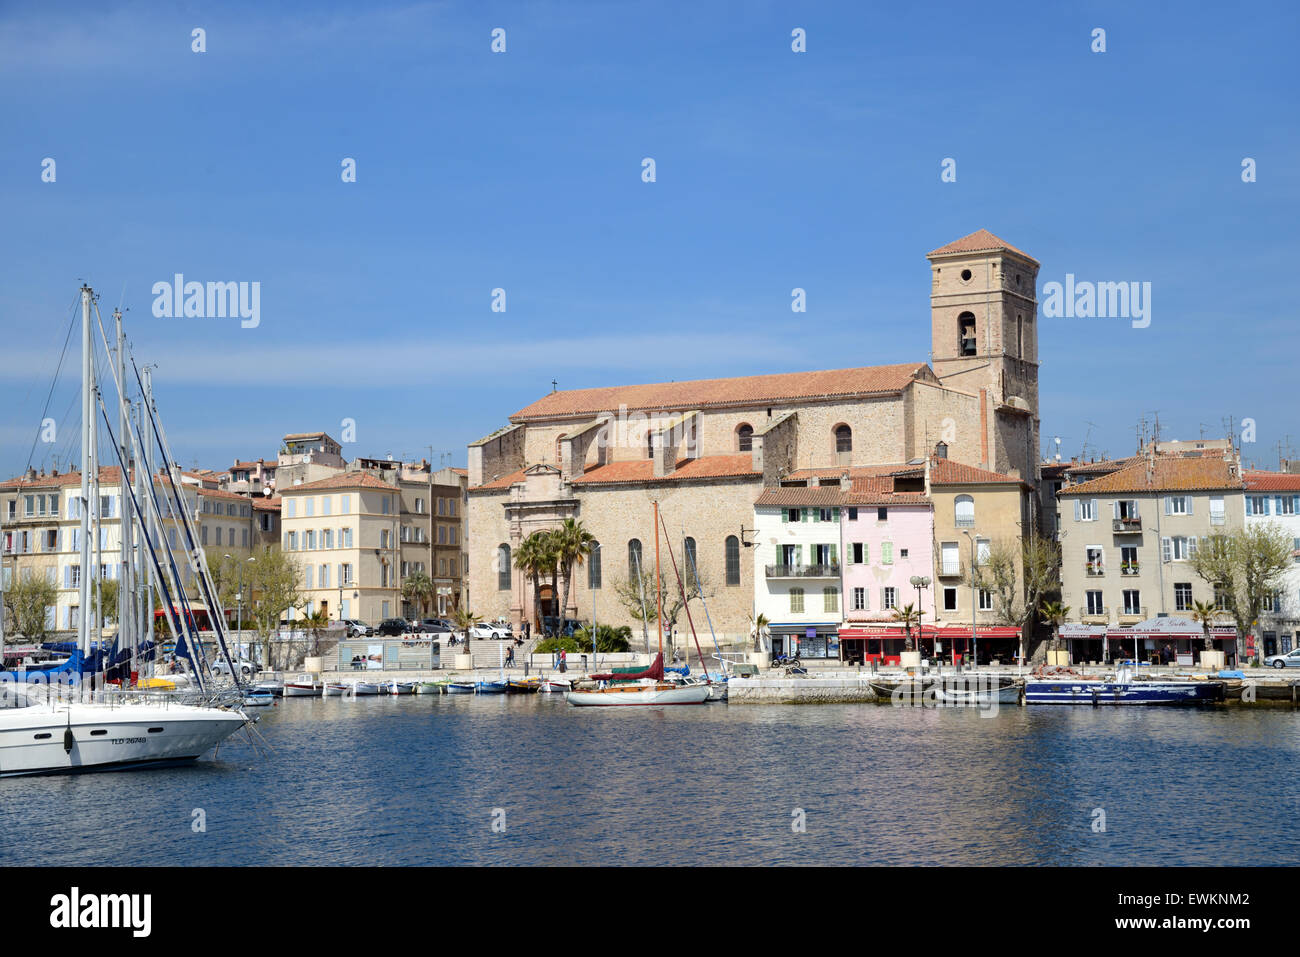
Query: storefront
[808,641]
[1179,639]
[864,644]
[1000,643]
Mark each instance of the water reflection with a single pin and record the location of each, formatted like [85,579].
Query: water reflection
[416,780]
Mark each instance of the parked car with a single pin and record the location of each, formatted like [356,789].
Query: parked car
[246,668]
[486,630]
[393,626]
[358,629]
[433,626]
[1289,660]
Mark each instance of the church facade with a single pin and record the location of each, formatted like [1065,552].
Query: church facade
[705,450]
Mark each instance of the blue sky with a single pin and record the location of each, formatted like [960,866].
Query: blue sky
[522,171]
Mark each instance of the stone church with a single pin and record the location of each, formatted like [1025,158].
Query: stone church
[706,449]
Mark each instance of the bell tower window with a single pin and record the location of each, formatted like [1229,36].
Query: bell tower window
[966,334]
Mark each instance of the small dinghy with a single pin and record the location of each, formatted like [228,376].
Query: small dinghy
[258,699]
[460,687]
[556,686]
[492,687]
[304,686]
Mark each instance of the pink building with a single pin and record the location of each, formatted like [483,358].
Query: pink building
[887,529]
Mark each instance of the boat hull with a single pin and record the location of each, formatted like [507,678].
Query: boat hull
[1123,693]
[652,696]
[104,739]
[301,691]
[460,688]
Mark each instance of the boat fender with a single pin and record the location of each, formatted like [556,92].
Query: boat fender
[68,739]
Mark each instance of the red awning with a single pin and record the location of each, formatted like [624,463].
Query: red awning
[988,631]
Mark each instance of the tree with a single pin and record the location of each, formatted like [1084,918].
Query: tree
[1055,615]
[418,587]
[464,620]
[274,583]
[1246,567]
[639,599]
[758,630]
[609,640]
[531,559]
[26,602]
[1018,579]
[572,543]
[1205,613]
[909,616]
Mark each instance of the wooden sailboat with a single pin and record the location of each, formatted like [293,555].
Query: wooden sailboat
[648,688]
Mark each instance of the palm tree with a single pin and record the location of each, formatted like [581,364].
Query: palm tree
[531,559]
[1205,612]
[759,627]
[464,620]
[909,616]
[1054,613]
[418,587]
[572,543]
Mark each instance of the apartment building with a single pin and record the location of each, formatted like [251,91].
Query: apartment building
[42,534]
[1274,498]
[1127,537]
[358,535]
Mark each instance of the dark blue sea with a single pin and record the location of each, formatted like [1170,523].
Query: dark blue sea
[532,780]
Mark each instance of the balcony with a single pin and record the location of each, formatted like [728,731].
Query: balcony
[1123,525]
[1131,615]
[1095,569]
[1098,616]
[1129,569]
[831,570]
[950,570]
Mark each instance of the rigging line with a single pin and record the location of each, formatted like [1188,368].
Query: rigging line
[53,382]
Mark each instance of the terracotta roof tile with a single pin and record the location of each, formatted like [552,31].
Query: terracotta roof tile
[820,496]
[1165,474]
[346,480]
[108,474]
[978,242]
[1272,482]
[948,472]
[741,391]
[855,471]
[505,481]
[642,470]
[880,491]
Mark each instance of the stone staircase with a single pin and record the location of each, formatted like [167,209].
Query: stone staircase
[487,655]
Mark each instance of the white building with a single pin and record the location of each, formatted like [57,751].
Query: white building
[1274,497]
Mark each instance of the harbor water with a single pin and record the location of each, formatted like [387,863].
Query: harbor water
[531,780]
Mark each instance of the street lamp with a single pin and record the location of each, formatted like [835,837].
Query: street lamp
[919,582]
[594,549]
[974,639]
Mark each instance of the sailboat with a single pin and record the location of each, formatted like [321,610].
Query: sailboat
[647,688]
[63,726]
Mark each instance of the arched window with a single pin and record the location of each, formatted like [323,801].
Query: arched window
[745,437]
[964,509]
[843,438]
[635,567]
[733,560]
[593,566]
[503,567]
[966,345]
[690,564]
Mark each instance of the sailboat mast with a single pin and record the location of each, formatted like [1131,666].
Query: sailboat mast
[659,592]
[151,527]
[87,450]
[126,584]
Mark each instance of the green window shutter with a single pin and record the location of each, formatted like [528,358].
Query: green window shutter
[836,513]
[835,558]
[803,514]
[887,553]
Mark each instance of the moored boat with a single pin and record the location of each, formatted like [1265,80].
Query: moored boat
[491,687]
[1123,689]
[460,687]
[647,693]
[304,686]
[552,685]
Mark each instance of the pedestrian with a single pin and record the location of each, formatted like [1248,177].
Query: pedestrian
[564,661]
[527,626]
